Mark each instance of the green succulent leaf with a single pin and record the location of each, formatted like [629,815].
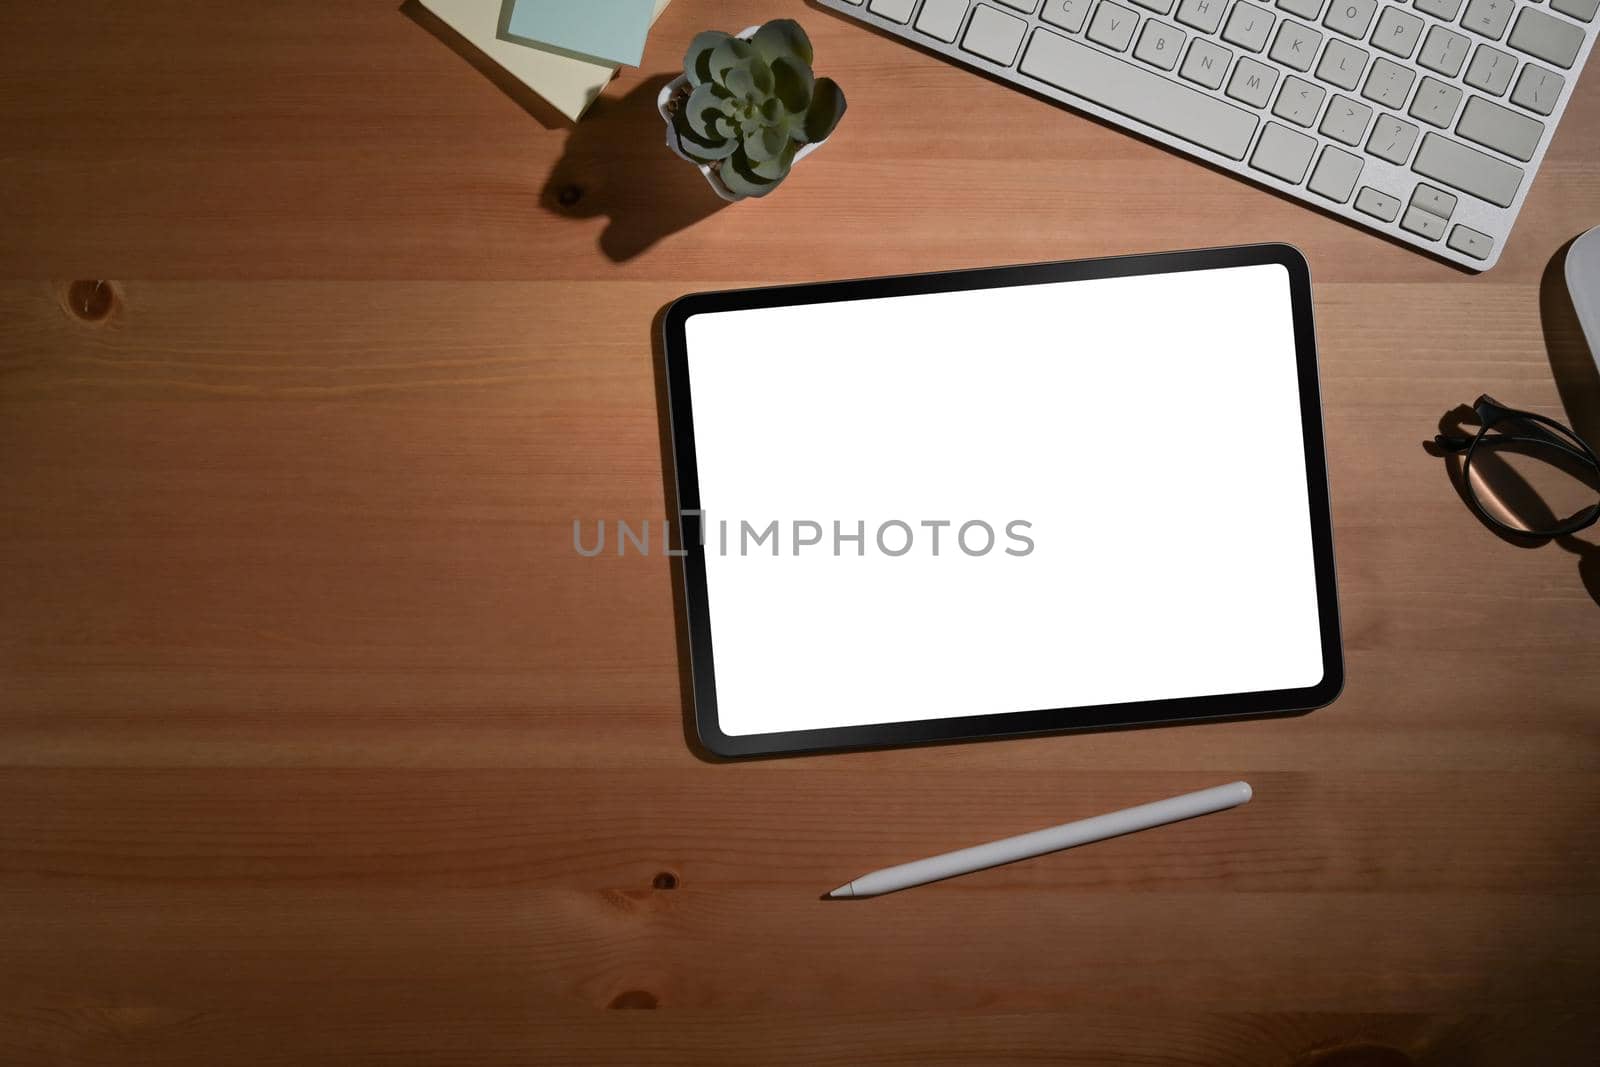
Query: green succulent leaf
[703,106]
[792,84]
[783,38]
[740,82]
[702,124]
[739,176]
[827,108]
[727,55]
[700,148]
[766,143]
[761,73]
[697,60]
[777,168]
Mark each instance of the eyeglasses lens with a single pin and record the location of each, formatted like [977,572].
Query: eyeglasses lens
[1524,478]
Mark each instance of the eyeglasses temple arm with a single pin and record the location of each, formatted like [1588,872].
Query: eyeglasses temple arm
[1554,441]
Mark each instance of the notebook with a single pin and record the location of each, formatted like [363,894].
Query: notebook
[610,30]
[569,84]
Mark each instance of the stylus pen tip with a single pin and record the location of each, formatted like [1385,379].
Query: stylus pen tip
[846,890]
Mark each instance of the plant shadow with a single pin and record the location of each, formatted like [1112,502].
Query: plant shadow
[616,164]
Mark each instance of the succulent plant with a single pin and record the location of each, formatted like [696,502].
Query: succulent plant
[752,104]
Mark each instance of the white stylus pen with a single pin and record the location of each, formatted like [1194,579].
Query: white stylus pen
[1026,846]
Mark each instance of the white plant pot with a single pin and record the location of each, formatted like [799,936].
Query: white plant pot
[669,90]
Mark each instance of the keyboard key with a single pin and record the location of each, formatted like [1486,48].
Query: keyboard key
[1351,17]
[1470,242]
[1248,26]
[1113,26]
[1440,9]
[1397,32]
[1139,93]
[994,35]
[1206,63]
[1537,89]
[1424,223]
[898,10]
[1490,70]
[1487,17]
[1389,83]
[942,18]
[1370,201]
[1306,9]
[1202,15]
[1435,102]
[1392,139]
[1468,170]
[1299,101]
[1252,82]
[1434,201]
[1336,174]
[1026,6]
[1500,128]
[1342,64]
[1068,14]
[1160,7]
[1582,10]
[1159,44]
[1295,46]
[1283,153]
[1550,39]
[1346,120]
[1443,51]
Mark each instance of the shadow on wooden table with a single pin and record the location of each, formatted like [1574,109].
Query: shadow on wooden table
[617,164]
[1578,380]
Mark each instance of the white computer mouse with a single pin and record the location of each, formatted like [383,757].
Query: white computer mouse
[1583,282]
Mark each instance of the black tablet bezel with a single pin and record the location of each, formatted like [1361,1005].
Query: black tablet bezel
[1016,723]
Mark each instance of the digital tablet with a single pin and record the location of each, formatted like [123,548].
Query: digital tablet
[989,503]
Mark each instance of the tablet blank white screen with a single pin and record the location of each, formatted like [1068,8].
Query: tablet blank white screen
[1146,429]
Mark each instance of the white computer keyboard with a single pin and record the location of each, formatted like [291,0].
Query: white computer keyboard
[1424,120]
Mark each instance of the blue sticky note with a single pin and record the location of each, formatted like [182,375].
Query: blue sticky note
[610,30]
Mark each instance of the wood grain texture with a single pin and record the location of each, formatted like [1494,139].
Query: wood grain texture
[318,742]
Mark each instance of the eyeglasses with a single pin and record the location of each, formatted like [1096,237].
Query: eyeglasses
[1521,471]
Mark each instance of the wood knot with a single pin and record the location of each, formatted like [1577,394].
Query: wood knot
[1361,1055]
[91,300]
[634,998]
[664,880]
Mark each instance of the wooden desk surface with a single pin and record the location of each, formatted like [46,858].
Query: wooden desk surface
[319,743]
